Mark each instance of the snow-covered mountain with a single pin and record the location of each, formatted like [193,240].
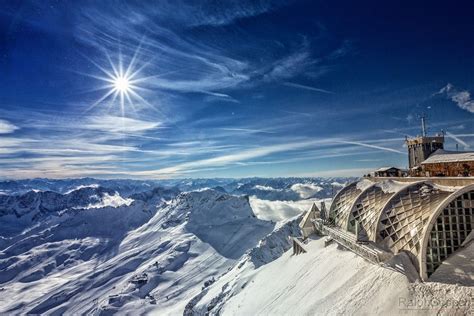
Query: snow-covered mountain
[287,189]
[156,196]
[17,212]
[124,187]
[96,250]
[153,251]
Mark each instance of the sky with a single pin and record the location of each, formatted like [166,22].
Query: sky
[201,89]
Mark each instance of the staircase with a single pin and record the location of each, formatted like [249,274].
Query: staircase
[349,241]
[298,247]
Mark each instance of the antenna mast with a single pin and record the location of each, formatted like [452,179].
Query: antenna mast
[423,125]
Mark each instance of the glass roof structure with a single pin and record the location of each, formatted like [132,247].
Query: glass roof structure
[428,221]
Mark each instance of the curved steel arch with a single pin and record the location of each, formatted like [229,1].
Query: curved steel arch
[341,218]
[423,265]
[387,203]
[338,196]
[367,207]
[406,216]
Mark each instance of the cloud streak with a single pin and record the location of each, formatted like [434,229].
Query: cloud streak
[458,140]
[461,97]
[235,157]
[120,124]
[7,127]
[373,146]
[304,87]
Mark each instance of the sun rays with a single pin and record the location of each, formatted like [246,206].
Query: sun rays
[122,85]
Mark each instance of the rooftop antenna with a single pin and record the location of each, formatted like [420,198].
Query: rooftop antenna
[423,125]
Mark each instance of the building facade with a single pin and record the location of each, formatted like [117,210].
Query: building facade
[390,172]
[444,163]
[428,221]
[420,148]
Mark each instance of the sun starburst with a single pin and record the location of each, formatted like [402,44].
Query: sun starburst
[121,83]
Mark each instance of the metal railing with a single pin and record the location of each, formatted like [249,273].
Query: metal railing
[349,241]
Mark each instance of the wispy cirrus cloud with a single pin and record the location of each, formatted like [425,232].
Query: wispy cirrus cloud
[177,158]
[215,96]
[218,14]
[120,124]
[184,65]
[7,127]
[247,130]
[178,62]
[373,146]
[231,158]
[190,65]
[303,148]
[305,87]
[300,60]
[458,140]
[461,97]
[350,172]
[288,66]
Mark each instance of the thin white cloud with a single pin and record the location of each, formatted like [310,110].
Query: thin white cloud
[458,127]
[306,190]
[373,146]
[7,127]
[304,87]
[278,210]
[118,124]
[288,66]
[458,140]
[183,66]
[465,135]
[247,130]
[226,13]
[189,66]
[461,97]
[265,188]
[215,96]
[353,172]
[232,158]
[368,160]
[298,113]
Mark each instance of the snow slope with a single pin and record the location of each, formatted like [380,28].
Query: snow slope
[327,281]
[459,268]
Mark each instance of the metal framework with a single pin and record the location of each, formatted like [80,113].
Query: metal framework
[428,221]
[342,203]
[448,229]
[365,210]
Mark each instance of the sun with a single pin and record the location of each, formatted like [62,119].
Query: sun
[122,84]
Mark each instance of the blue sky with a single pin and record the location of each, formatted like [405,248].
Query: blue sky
[228,88]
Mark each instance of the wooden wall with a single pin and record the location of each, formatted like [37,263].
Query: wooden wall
[451,169]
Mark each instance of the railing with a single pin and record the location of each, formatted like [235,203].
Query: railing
[298,247]
[349,241]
